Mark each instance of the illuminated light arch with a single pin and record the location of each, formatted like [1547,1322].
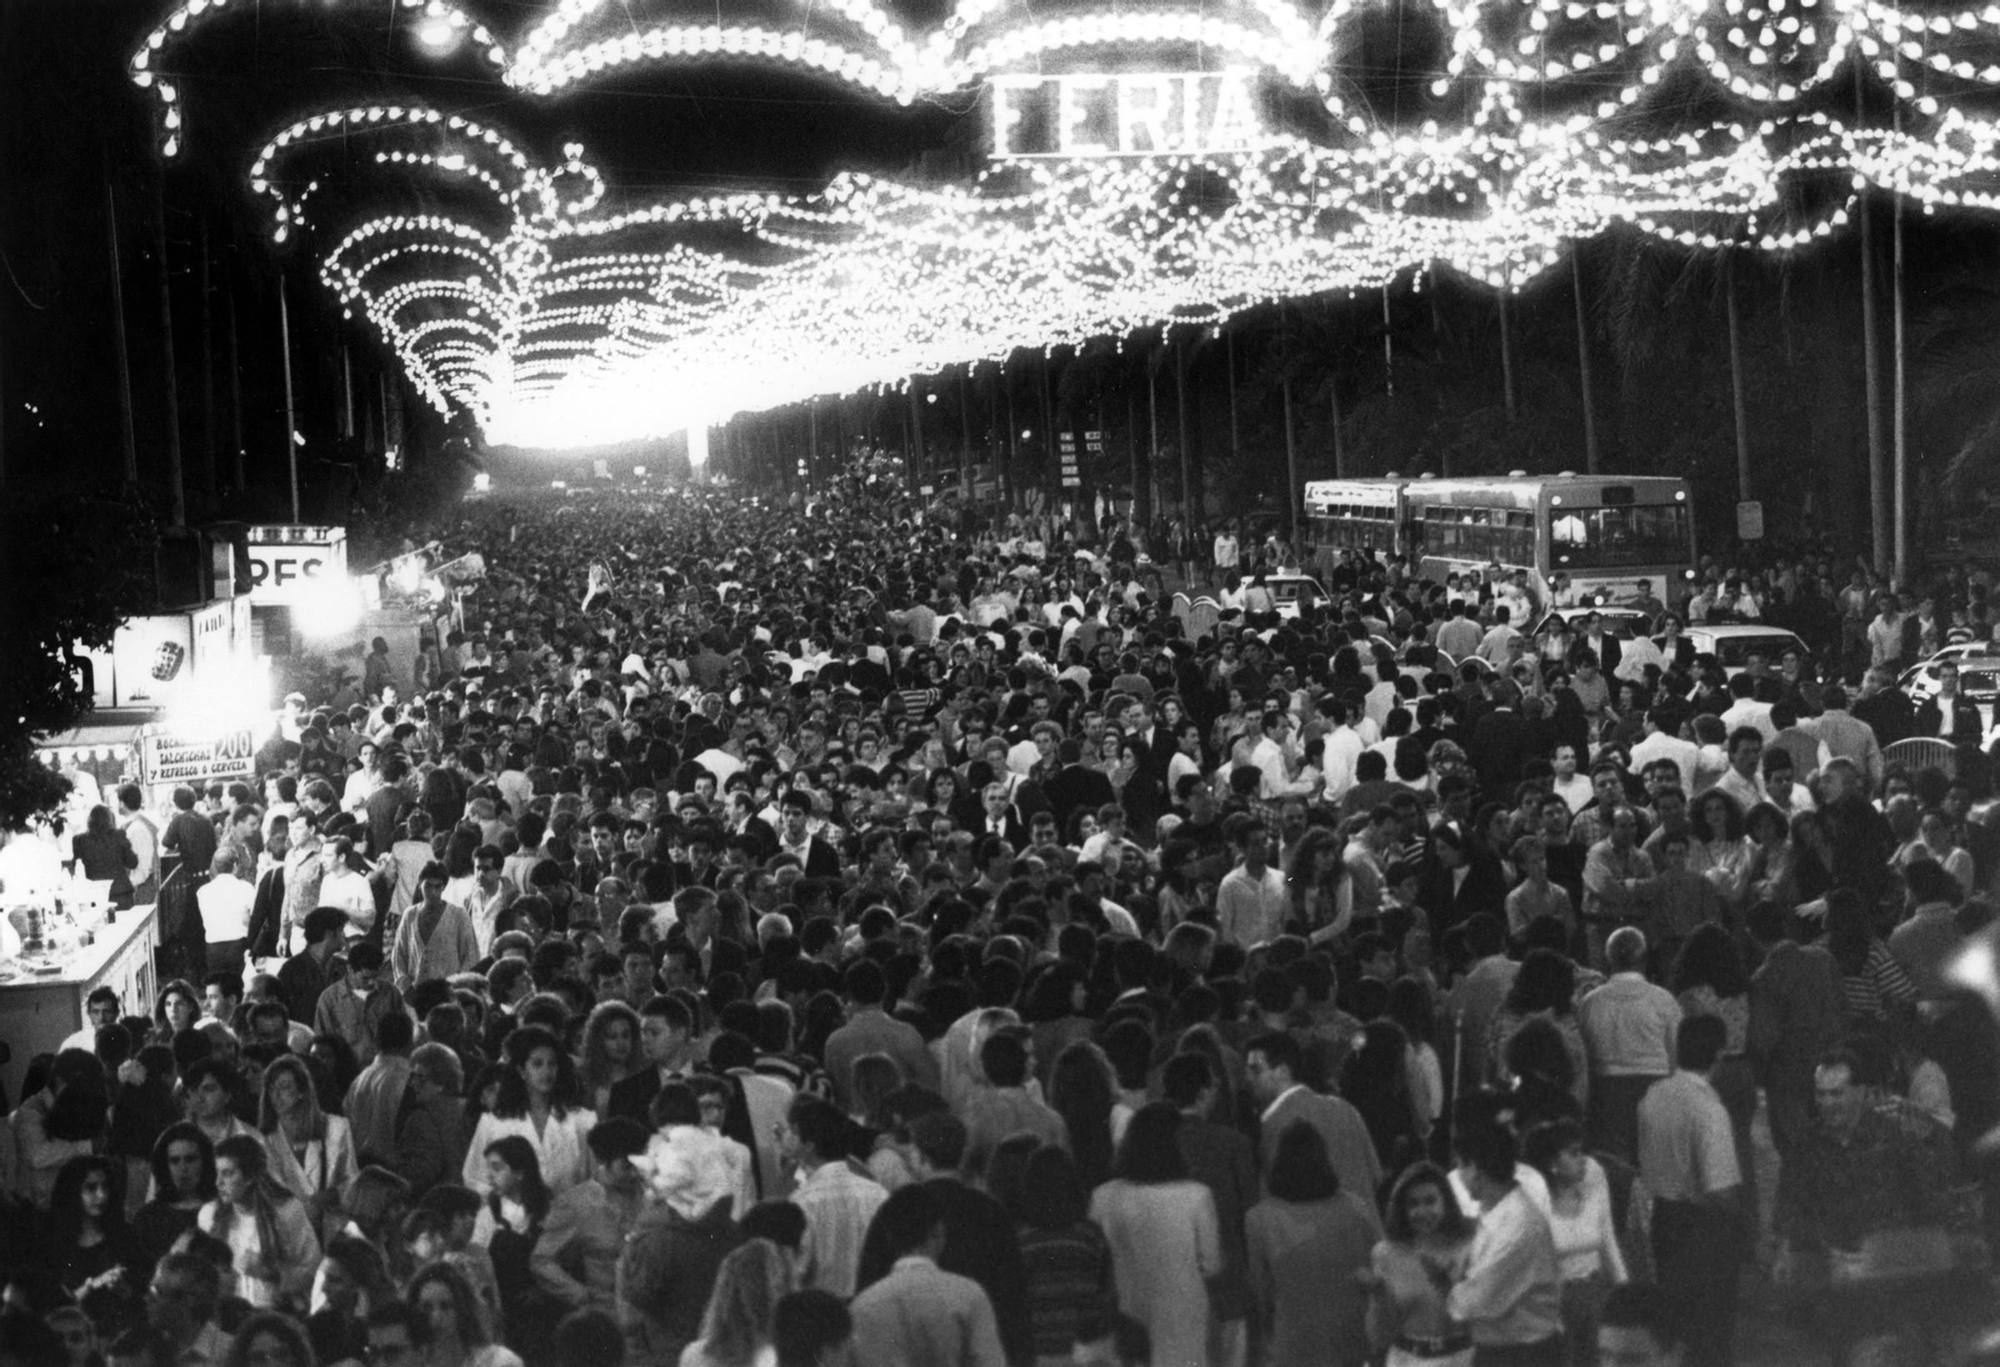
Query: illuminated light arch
[559,315]
[146,62]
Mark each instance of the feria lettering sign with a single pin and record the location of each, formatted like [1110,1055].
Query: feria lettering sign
[1125,114]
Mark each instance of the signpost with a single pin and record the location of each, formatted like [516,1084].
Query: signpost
[1072,475]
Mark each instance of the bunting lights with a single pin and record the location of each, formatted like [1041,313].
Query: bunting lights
[1147,168]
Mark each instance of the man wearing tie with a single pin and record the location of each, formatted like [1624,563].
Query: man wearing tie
[1000,818]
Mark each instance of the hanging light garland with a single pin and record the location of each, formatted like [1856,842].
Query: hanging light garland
[567,316]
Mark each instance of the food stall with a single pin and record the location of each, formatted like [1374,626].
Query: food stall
[43,988]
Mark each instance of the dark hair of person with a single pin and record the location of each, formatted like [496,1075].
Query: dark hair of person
[806,1324]
[1300,1170]
[517,1153]
[1053,1196]
[512,1102]
[782,1222]
[1542,1145]
[1709,958]
[1150,1152]
[1080,1091]
[1546,981]
[1396,1216]
[182,1132]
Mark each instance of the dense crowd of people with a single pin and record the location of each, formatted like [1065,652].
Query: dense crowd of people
[805,931]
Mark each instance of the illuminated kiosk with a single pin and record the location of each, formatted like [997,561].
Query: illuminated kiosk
[1148,167]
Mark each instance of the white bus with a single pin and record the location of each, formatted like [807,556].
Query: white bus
[1606,532]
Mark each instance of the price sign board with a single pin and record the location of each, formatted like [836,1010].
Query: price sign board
[170,758]
[1072,476]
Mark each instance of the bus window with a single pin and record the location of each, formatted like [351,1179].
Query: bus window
[1600,538]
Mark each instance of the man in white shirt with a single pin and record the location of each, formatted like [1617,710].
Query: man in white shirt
[1687,1156]
[145,838]
[225,901]
[1250,904]
[1493,646]
[1660,743]
[1741,782]
[838,1201]
[1572,787]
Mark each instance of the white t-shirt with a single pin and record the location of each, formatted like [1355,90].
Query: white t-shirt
[225,908]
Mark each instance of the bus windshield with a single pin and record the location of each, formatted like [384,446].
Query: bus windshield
[1601,538]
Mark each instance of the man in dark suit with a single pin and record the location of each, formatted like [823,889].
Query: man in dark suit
[1498,744]
[1950,715]
[1459,881]
[267,910]
[998,816]
[1601,644]
[1885,707]
[1271,1064]
[1159,745]
[666,1034]
[1076,787]
[816,855]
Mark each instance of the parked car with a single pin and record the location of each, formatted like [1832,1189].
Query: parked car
[1732,643]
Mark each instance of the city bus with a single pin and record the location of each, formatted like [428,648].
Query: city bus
[1352,514]
[1606,532]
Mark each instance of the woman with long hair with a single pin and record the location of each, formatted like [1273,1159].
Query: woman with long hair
[610,1051]
[1875,987]
[272,1246]
[1054,1013]
[269,1339]
[1180,896]
[311,1152]
[458,1334]
[1538,1060]
[1544,989]
[1426,1237]
[736,1327]
[183,1169]
[1081,1092]
[335,1066]
[86,1245]
[1069,1263]
[1717,849]
[540,1100]
[1318,892]
[1141,792]
[1165,1242]
[509,1226]
[105,855]
[176,1009]
[1586,1234]
[1772,875]
[1412,1008]
[1812,858]
[352,1281]
[1375,1081]
[1306,1243]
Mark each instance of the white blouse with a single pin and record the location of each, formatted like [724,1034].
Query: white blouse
[560,1146]
[1586,1237]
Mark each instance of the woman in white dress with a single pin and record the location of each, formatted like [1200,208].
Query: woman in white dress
[311,1152]
[1164,1237]
[541,1100]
